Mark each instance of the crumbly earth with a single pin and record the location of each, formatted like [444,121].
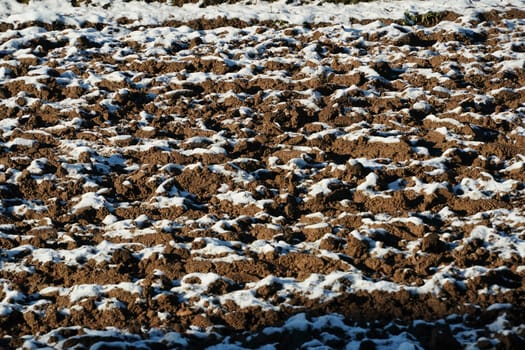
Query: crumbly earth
[223,182]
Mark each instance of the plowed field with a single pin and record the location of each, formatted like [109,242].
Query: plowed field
[239,184]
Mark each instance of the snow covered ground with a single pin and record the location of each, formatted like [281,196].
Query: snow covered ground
[153,13]
[263,175]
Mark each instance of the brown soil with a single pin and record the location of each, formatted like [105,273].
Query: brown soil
[164,158]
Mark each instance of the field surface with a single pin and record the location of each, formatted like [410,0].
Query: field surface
[262,175]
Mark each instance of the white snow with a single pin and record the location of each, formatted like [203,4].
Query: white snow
[91,200]
[91,158]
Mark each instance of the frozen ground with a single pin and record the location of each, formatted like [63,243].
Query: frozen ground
[262,176]
[154,13]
